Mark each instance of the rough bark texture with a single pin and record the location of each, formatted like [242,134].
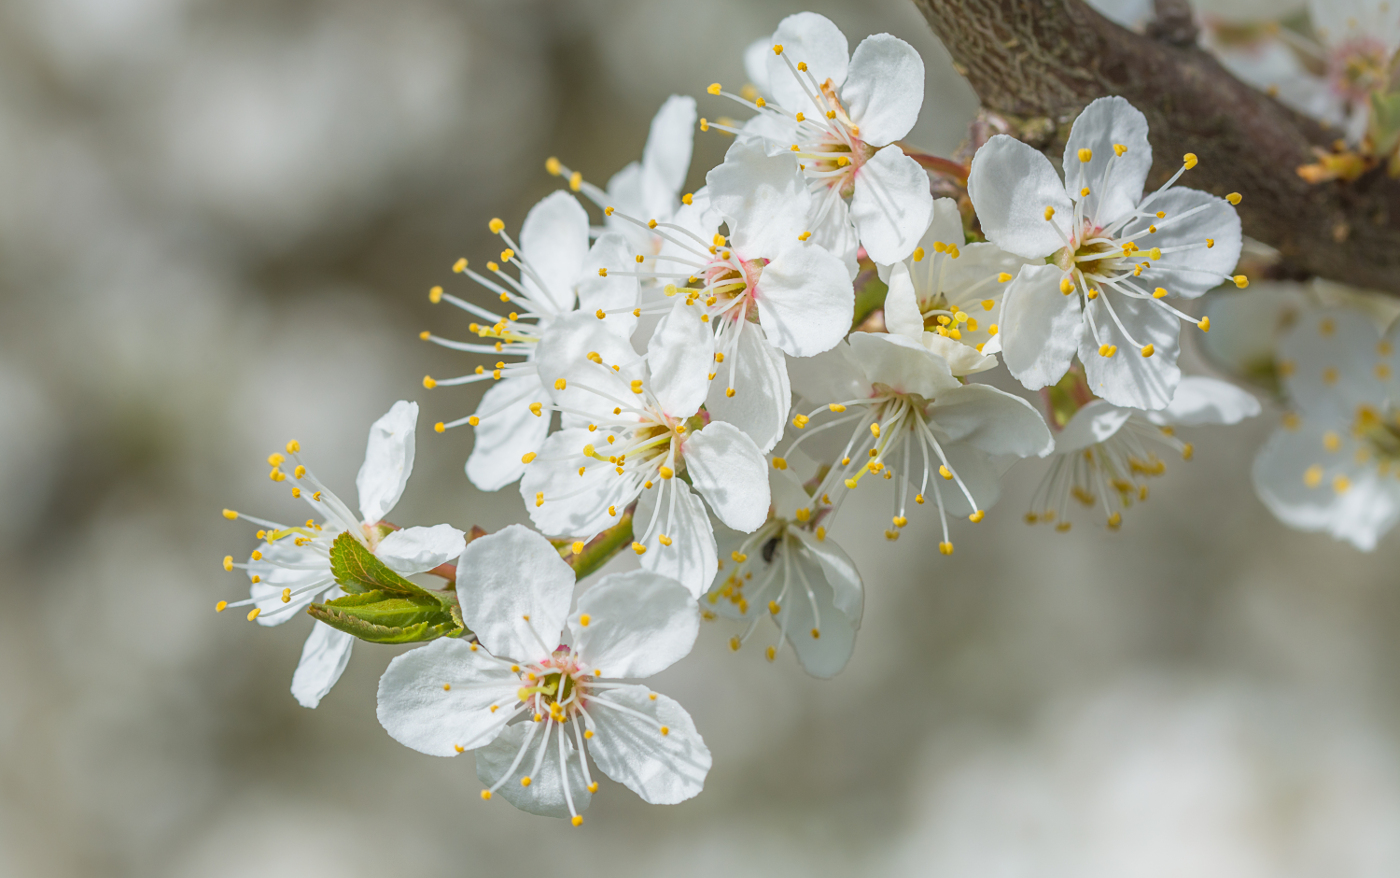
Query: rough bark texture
[1037,59]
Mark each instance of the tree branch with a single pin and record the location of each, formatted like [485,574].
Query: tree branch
[1049,58]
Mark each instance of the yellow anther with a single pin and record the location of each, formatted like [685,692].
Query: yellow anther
[1148,350]
[1159,293]
[687,198]
[718,240]
[804,236]
[1189,160]
[286,595]
[228,562]
[802,65]
[1084,193]
[1049,213]
[459,266]
[945,548]
[220,606]
[1119,149]
[900,521]
[1312,477]
[944,471]
[525,781]
[800,421]
[576,181]
[560,384]
[1341,484]
[666,472]
[496,226]
[714,88]
[1234,198]
[771,652]
[474,420]
[836,407]
[977,516]
[734,643]
[553,166]
[801,118]
[729,392]
[1086,155]
[527,457]
[779,463]
[1210,243]
[663,539]
[612,510]
[1115,520]
[577,820]
[1154,254]
[875,430]
[1066,286]
[1241,281]
[428,382]
[254,613]
[1204,324]
[506,256]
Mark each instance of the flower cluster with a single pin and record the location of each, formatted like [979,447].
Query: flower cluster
[698,381]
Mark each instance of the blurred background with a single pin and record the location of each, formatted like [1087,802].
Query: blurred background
[218,224]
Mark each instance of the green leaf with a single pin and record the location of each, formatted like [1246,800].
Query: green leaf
[357,571]
[870,295]
[378,617]
[1385,122]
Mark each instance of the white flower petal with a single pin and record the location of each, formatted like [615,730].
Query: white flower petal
[571,378]
[841,576]
[1329,361]
[1189,273]
[438,697]
[670,142]
[1201,400]
[835,232]
[1104,124]
[565,504]
[545,793]
[388,461]
[690,559]
[891,204]
[730,473]
[680,355]
[902,314]
[1040,327]
[639,624]
[805,299]
[884,88]
[833,377]
[763,198]
[285,565]
[1366,509]
[663,769]
[1010,185]
[616,293]
[981,476]
[420,549]
[507,430]
[803,612]
[1091,425]
[515,592]
[323,660]
[1127,378]
[756,64]
[787,493]
[903,365]
[962,358]
[762,396]
[992,420]
[554,240]
[811,39]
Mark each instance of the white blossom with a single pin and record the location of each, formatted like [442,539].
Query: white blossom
[947,295]
[632,424]
[764,289]
[906,415]
[791,572]
[534,709]
[1331,79]
[1113,256]
[1105,454]
[840,114]
[1332,465]
[292,566]
[557,270]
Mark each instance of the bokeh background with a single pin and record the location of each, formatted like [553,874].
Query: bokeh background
[218,223]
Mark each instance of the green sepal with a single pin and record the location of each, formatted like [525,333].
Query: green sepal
[377,617]
[357,571]
[1385,122]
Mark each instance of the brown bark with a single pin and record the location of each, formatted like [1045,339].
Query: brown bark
[1038,59]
